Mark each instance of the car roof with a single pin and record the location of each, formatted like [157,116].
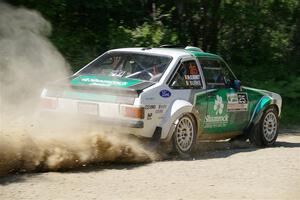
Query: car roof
[173,52]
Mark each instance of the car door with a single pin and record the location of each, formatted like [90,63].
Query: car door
[186,82]
[227,107]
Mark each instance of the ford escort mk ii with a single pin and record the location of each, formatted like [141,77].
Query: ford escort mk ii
[172,95]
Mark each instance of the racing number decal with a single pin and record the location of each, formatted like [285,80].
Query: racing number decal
[242,98]
[237,102]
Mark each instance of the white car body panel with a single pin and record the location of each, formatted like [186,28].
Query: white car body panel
[159,111]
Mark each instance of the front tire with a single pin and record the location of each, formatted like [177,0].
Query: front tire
[185,135]
[266,131]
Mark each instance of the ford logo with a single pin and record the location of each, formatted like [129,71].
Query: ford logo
[165,93]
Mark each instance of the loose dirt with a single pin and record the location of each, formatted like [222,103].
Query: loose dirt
[222,171]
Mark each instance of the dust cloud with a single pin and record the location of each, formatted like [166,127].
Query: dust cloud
[23,153]
[28,61]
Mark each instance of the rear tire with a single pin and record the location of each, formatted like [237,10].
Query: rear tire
[266,131]
[184,136]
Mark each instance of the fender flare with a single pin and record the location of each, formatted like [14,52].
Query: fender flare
[173,113]
[264,103]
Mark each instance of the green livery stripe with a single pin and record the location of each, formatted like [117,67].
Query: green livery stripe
[203,54]
[263,102]
[105,81]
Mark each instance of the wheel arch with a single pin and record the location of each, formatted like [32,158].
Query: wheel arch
[272,105]
[256,137]
[276,107]
[178,109]
[196,120]
[265,103]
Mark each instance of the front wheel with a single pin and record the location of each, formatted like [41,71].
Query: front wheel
[184,136]
[266,131]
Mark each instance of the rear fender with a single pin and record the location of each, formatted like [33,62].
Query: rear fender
[171,116]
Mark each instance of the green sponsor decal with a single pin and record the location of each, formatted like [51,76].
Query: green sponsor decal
[217,119]
[106,81]
[226,110]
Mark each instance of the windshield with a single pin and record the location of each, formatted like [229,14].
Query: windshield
[129,65]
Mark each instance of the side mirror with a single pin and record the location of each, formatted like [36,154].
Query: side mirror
[236,84]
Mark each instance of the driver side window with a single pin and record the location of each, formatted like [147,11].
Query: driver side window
[187,76]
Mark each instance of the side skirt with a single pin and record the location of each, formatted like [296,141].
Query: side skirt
[218,136]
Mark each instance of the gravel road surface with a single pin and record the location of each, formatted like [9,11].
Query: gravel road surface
[219,172]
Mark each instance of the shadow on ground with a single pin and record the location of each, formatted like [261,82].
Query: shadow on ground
[23,176]
[223,149]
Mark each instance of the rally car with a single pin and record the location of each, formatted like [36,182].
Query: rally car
[175,95]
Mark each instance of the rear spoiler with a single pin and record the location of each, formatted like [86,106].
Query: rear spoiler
[62,85]
[56,90]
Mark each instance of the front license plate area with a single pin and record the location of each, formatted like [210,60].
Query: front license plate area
[88,108]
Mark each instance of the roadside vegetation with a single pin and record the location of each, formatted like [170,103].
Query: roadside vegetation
[260,39]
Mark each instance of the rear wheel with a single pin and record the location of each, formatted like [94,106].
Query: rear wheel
[184,136]
[266,131]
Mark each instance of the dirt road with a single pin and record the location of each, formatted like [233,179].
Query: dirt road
[218,173]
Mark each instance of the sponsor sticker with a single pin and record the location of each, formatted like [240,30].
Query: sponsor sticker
[149,116]
[149,107]
[165,93]
[162,106]
[160,109]
[103,81]
[237,102]
[218,120]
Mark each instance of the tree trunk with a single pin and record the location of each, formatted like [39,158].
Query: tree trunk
[213,29]
[296,41]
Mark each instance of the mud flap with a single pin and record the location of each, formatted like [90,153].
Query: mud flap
[155,140]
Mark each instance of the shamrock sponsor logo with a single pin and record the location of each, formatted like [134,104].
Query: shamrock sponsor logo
[219,120]
[219,105]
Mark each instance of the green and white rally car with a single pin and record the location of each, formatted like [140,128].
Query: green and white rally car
[173,95]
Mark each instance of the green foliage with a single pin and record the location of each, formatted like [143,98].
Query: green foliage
[142,36]
[289,89]
[260,39]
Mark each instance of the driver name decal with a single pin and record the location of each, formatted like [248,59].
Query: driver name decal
[192,80]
